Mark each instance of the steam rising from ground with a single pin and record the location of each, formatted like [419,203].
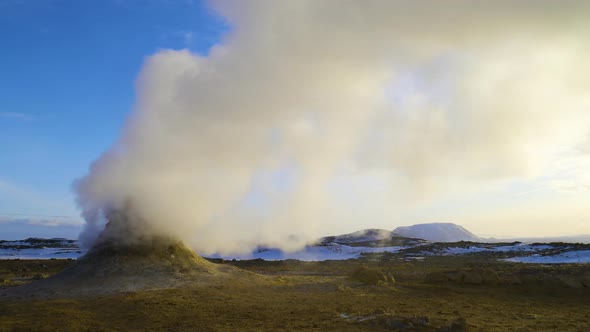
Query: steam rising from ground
[315,113]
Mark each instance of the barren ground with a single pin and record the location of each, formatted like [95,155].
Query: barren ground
[321,296]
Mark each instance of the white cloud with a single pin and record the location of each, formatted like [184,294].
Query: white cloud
[428,99]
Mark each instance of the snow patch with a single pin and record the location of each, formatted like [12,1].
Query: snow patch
[579,256]
[41,253]
[332,251]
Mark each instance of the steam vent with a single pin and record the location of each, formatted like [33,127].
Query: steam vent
[123,259]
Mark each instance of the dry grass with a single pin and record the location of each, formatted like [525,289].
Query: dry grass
[298,296]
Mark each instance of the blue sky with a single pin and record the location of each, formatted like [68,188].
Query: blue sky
[66,85]
[489,130]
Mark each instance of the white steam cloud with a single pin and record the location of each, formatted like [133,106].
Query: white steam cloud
[313,113]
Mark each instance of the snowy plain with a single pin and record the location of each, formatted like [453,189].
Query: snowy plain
[312,253]
[521,252]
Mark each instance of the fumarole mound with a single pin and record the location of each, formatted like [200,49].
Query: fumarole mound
[141,261]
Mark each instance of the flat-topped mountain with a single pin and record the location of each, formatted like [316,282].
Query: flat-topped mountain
[438,232]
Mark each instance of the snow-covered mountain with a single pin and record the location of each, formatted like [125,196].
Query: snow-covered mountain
[438,232]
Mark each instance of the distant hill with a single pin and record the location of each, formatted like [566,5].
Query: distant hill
[371,237]
[364,235]
[438,232]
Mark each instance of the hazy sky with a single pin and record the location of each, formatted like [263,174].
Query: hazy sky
[306,118]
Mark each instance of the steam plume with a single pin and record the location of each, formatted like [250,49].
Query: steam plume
[310,114]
